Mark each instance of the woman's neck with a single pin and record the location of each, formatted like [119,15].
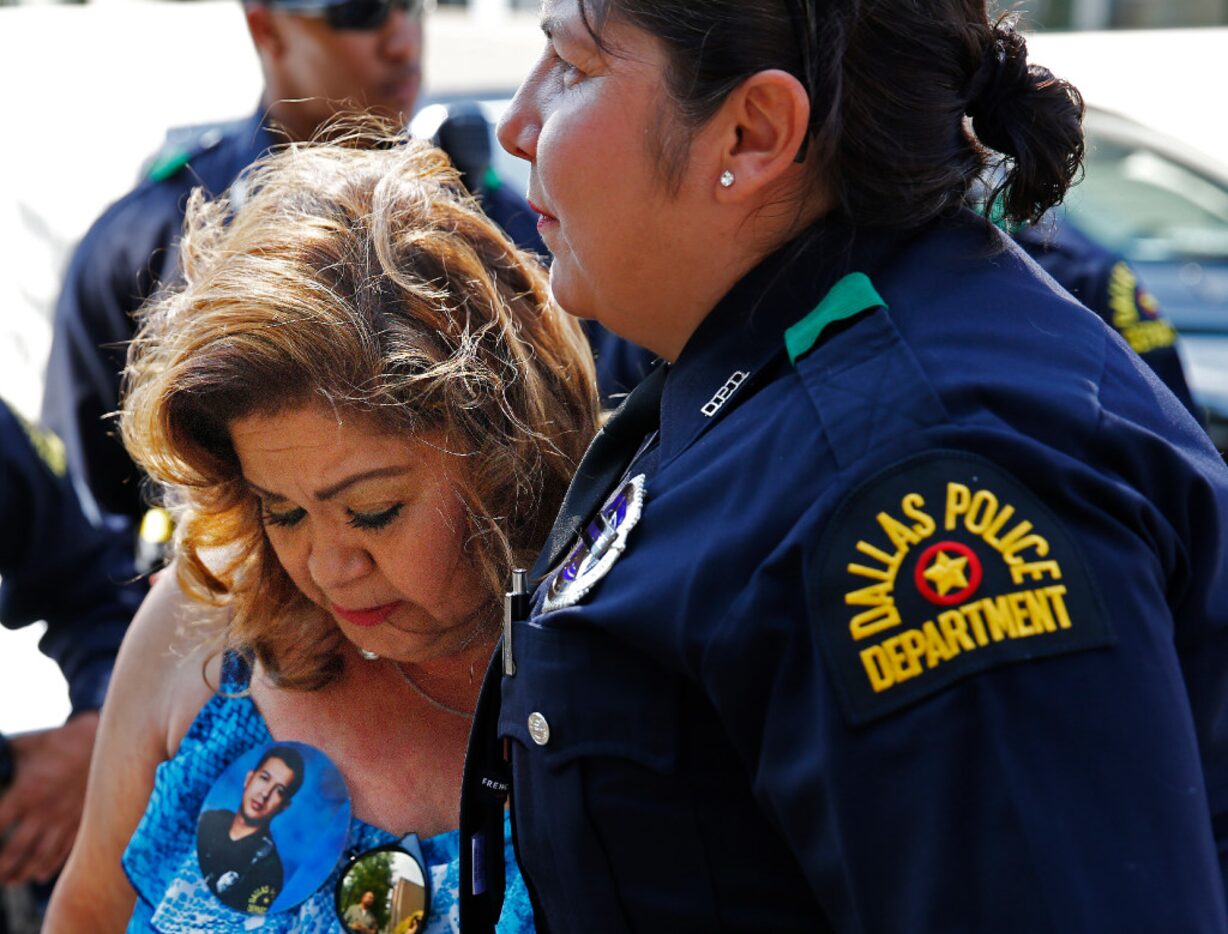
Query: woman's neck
[453,682]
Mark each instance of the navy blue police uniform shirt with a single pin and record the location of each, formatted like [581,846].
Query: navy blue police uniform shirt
[913,616]
[125,256]
[1106,283]
[57,566]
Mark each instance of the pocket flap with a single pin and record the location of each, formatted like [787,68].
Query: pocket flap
[579,693]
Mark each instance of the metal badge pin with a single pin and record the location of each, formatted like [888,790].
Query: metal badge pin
[609,532]
[515,609]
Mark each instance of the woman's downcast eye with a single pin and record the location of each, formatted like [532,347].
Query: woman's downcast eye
[281,518]
[374,520]
[371,521]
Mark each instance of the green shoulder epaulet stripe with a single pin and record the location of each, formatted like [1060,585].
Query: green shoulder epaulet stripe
[850,296]
[168,162]
[491,180]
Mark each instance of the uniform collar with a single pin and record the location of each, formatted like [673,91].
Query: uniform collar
[249,140]
[744,333]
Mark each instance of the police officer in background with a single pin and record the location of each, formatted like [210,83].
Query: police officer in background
[1105,282]
[56,566]
[319,58]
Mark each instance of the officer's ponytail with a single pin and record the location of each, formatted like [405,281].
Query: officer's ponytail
[1034,119]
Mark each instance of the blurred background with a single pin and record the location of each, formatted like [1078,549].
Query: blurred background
[91,89]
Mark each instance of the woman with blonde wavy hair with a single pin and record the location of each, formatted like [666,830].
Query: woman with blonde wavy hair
[364,412]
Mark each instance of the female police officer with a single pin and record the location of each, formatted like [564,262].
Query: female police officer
[897,599]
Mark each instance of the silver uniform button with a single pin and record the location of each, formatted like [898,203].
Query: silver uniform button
[539,729]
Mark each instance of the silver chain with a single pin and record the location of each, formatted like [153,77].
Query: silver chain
[437,704]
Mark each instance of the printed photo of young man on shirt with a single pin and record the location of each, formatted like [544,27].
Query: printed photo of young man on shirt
[237,853]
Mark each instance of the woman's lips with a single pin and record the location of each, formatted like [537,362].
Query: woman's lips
[372,616]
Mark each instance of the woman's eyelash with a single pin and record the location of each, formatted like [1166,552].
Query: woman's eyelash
[282,519]
[374,520]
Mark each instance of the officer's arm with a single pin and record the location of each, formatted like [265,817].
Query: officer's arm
[57,566]
[973,717]
[156,691]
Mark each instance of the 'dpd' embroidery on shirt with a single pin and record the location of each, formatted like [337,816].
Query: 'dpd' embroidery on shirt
[941,567]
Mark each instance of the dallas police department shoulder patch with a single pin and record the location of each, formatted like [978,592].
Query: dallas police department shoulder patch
[938,568]
[1136,313]
[600,544]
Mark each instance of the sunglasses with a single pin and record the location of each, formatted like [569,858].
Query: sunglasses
[396,878]
[356,15]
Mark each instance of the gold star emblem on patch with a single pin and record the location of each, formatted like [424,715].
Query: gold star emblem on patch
[947,573]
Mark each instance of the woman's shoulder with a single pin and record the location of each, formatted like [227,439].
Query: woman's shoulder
[159,678]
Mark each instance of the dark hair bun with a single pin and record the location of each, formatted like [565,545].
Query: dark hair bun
[1007,100]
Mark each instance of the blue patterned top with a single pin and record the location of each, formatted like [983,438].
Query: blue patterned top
[161,860]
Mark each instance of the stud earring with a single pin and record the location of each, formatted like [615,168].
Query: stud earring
[727,179]
[368,655]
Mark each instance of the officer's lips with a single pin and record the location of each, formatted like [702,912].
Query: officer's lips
[370,616]
[402,89]
[545,218]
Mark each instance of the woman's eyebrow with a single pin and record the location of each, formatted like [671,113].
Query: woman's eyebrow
[333,489]
[263,493]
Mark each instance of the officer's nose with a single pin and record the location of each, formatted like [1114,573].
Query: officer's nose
[402,36]
[520,124]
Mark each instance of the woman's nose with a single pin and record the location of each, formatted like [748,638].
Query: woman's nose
[335,563]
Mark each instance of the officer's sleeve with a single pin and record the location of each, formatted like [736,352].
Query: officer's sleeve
[1118,296]
[972,686]
[56,566]
[109,276]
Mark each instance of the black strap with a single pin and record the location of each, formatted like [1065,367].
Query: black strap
[484,792]
[611,451]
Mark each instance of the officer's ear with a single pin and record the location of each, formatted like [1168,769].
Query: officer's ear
[264,28]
